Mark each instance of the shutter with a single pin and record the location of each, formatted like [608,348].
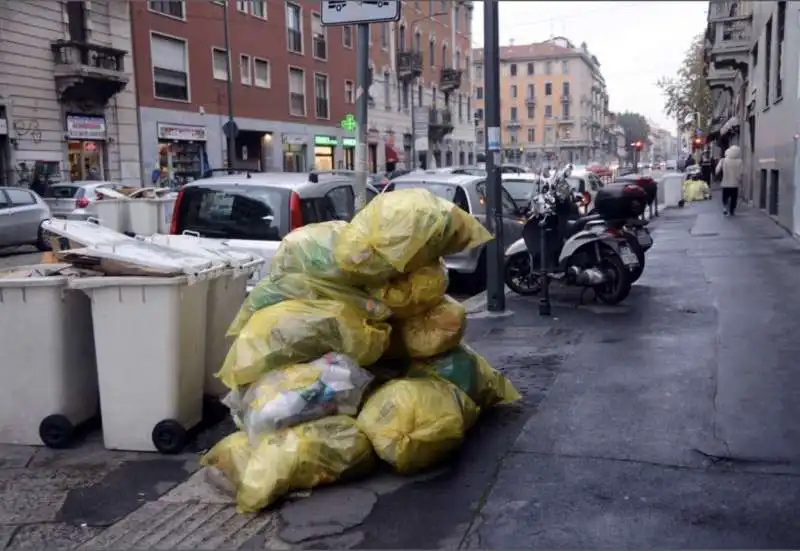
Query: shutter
[168,53]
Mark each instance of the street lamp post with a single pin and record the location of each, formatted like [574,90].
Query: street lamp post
[229,84]
[415,90]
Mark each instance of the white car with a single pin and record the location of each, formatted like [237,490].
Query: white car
[73,200]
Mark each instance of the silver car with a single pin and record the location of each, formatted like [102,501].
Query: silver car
[72,200]
[21,215]
[469,193]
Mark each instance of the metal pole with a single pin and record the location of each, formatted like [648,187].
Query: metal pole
[362,84]
[495,287]
[229,85]
[414,96]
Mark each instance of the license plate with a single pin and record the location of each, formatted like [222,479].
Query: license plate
[644,238]
[628,257]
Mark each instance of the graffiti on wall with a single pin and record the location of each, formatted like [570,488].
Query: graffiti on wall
[28,129]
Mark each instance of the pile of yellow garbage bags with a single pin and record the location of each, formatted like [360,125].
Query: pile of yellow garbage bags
[306,371]
[696,190]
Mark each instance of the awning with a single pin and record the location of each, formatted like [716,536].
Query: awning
[391,154]
[732,123]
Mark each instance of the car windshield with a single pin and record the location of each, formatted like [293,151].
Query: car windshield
[519,189]
[61,191]
[445,191]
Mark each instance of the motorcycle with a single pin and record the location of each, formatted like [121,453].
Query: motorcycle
[579,251]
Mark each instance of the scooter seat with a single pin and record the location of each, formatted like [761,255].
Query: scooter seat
[574,226]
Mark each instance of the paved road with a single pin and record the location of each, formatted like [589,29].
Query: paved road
[18,256]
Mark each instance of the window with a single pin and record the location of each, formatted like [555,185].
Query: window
[417,5]
[548,111]
[479,92]
[420,94]
[565,67]
[387,90]
[458,60]
[245,69]
[401,38]
[548,68]
[241,5]
[513,90]
[767,61]
[322,96]
[170,68]
[479,136]
[565,111]
[384,30]
[445,59]
[347,36]
[442,5]
[432,51]
[781,35]
[261,73]
[530,68]
[479,72]
[467,65]
[479,114]
[220,63]
[531,112]
[418,43]
[531,91]
[20,197]
[460,108]
[406,95]
[297,92]
[259,8]
[531,135]
[548,88]
[319,38]
[513,113]
[172,8]
[457,11]
[294,28]
[342,202]
[513,69]
[349,92]
[565,89]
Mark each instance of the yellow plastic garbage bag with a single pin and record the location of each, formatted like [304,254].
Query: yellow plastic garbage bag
[435,331]
[277,288]
[696,190]
[470,372]
[411,294]
[402,231]
[309,250]
[229,457]
[297,331]
[330,385]
[303,457]
[414,424]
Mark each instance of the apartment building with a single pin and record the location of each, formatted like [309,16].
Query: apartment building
[752,51]
[553,102]
[293,83]
[420,66]
[67,92]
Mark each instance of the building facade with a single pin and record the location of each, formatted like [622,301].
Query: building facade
[752,54]
[553,103]
[67,92]
[420,67]
[293,83]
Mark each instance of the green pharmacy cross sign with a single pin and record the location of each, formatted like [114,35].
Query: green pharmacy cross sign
[349,123]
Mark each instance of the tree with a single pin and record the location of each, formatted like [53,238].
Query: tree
[635,127]
[688,93]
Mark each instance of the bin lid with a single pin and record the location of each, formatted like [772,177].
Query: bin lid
[136,257]
[212,249]
[38,275]
[86,233]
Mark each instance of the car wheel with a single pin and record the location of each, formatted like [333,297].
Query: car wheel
[41,241]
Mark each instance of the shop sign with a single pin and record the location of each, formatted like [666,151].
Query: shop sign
[181,132]
[3,127]
[326,141]
[349,142]
[86,128]
[294,139]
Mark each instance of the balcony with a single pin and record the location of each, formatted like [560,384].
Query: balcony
[730,43]
[440,123]
[721,78]
[513,123]
[566,120]
[726,10]
[88,73]
[450,80]
[409,65]
[566,98]
[530,101]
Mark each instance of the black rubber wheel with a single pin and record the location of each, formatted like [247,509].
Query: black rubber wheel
[41,241]
[638,250]
[519,276]
[681,203]
[56,431]
[618,287]
[169,437]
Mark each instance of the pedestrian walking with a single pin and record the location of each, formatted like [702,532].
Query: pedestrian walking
[730,168]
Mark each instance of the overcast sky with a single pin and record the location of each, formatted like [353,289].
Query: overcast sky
[635,42]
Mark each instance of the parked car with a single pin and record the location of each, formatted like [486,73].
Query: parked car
[522,187]
[254,211]
[21,215]
[73,200]
[507,168]
[586,182]
[469,193]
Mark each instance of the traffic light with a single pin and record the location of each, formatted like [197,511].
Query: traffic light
[637,145]
[697,143]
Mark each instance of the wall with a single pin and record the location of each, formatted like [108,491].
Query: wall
[36,118]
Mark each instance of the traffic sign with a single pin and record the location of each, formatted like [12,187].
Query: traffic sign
[229,127]
[349,12]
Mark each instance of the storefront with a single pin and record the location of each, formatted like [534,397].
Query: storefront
[181,152]
[324,149]
[6,174]
[295,152]
[373,137]
[86,147]
[253,150]
[349,146]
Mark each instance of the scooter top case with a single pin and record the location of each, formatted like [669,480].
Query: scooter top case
[620,201]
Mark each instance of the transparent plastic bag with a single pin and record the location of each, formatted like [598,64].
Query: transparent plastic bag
[470,372]
[435,331]
[297,331]
[414,424]
[411,294]
[277,288]
[330,385]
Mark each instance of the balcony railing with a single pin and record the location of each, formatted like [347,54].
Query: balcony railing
[440,123]
[566,98]
[530,100]
[409,65]
[732,36]
[513,123]
[450,80]
[88,73]
[726,10]
[69,52]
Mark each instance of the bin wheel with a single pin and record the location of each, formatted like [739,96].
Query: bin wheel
[169,436]
[56,431]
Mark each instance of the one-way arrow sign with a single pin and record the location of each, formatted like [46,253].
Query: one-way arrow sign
[350,12]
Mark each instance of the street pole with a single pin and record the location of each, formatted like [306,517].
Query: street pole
[413,163]
[229,84]
[495,286]
[362,85]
